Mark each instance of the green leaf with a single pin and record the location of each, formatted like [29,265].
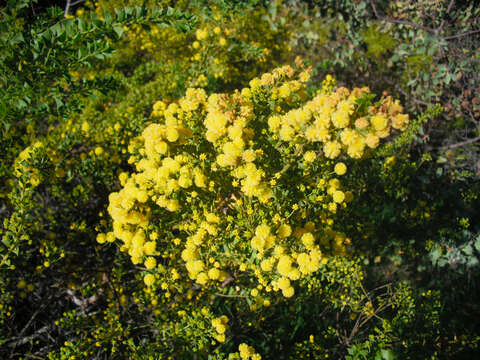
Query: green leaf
[472,261]
[6,241]
[468,250]
[82,25]
[107,18]
[435,254]
[21,104]
[18,38]
[58,102]
[139,11]
[387,354]
[129,10]
[120,14]
[119,30]
[477,243]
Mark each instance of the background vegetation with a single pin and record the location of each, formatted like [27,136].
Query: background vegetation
[396,274]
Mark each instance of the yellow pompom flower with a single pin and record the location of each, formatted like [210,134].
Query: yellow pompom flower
[362,123]
[262,231]
[257,243]
[338,196]
[309,156]
[288,292]
[85,126]
[283,283]
[267,264]
[284,265]
[308,240]
[379,122]
[372,140]
[274,123]
[213,273]
[150,263]
[332,149]
[340,119]
[172,134]
[201,34]
[286,133]
[202,278]
[284,231]
[284,91]
[249,155]
[149,279]
[21,284]
[340,168]
[101,238]
[400,122]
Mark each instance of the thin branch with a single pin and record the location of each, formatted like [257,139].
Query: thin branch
[67,7]
[472,118]
[30,356]
[230,296]
[437,30]
[461,35]
[71,4]
[460,144]
[33,9]
[414,99]
[26,339]
[120,307]
[396,21]
[409,96]
[30,321]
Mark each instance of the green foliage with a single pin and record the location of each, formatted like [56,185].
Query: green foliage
[378,43]
[426,52]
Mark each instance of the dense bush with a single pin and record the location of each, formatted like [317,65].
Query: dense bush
[425,51]
[178,183]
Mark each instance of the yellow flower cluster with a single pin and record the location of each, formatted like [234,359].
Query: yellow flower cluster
[159,177]
[226,123]
[23,164]
[332,118]
[285,268]
[210,198]
[221,326]
[197,243]
[248,352]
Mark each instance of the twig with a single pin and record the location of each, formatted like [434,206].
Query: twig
[33,8]
[460,144]
[472,117]
[30,321]
[395,21]
[67,7]
[28,356]
[83,302]
[414,99]
[461,35]
[120,307]
[230,296]
[437,30]
[71,4]
[76,2]
[28,338]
